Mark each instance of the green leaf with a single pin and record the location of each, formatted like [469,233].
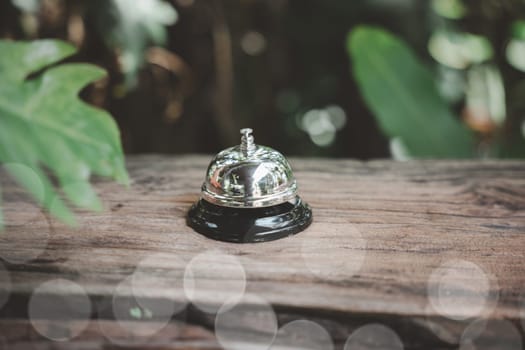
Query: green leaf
[140,313]
[44,125]
[135,312]
[131,29]
[401,93]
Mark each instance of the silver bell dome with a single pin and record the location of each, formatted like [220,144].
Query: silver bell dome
[249,176]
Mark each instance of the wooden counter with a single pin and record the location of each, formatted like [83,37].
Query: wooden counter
[395,243]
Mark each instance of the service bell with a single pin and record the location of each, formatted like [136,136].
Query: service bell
[249,195]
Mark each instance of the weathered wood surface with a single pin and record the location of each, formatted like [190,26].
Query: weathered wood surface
[380,231]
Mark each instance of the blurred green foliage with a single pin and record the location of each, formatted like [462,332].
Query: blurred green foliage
[50,141]
[281,67]
[45,126]
[468,102]
[130,29]
[126,28]
[403,96]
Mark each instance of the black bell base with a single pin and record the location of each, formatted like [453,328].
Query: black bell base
[249,225]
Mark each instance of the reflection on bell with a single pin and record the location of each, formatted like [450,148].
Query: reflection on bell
[249,195]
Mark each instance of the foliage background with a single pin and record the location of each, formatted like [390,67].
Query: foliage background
[279,66]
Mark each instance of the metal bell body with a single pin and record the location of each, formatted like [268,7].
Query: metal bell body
[249,195]
[237,179]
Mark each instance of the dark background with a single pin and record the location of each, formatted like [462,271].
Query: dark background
[293,60]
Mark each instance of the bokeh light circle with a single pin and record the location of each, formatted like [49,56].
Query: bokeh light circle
[137,315]
[373,337]
[253,43]
[26,232]
[22,208]
[26,243]
[339,255]
[435,325]
[248,323]
[213,279]
[460,289]
[491,334]
[302,334]
[514,51]
[5,285]
[27,177]
[165,272]
[59,309]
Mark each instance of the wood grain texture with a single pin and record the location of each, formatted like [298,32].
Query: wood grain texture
[380,231]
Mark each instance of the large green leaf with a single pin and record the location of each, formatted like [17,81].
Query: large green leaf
[402,94]
[45,126]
